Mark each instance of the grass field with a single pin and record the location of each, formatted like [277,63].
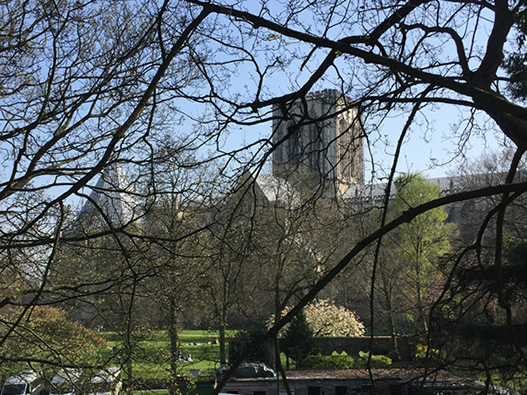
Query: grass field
[151,355]
[151,359]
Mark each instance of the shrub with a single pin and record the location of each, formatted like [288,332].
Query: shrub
[328,362]
[345,361]
[422,351]
[377,361]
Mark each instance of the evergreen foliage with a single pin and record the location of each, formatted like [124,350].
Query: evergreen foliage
[249,343]
[516,62]
[298,341]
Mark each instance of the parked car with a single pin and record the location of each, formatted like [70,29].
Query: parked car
[23,383]
[106,382]
[66,382]
[247,370]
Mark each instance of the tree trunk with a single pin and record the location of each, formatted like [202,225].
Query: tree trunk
[391,326]
[420,306]
[174,349]
[129,368]
[277,313]
[223,356]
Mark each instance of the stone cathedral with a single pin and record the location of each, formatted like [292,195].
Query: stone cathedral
[319,142]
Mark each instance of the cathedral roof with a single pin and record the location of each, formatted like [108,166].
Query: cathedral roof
[111,196]
[376,191]
[270,189]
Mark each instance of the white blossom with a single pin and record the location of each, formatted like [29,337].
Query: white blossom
[329,320]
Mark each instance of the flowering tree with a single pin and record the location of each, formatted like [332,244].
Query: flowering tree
[326,319]
[329,320]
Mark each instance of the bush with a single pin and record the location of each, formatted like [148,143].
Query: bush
[377,361]
[422,351]
[345,361]
[328,362]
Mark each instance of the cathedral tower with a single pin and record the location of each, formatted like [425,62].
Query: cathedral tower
[320,142]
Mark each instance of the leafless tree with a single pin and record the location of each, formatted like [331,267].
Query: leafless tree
[87,85]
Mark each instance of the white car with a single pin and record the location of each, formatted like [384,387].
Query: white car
[106,382]
[66,382]
[24,383]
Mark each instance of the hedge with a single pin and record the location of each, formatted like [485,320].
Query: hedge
[344,361]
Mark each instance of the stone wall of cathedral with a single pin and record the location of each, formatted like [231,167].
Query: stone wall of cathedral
[319,142]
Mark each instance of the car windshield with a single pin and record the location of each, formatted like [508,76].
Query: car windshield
[13,389]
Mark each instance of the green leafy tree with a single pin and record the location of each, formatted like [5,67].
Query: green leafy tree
[45,334]
[419,244]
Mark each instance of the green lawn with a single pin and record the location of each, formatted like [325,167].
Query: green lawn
[151,366]
[151,355]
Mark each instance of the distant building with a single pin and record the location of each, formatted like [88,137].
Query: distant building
[264,190]
[111,199]
[319,141]
[372,195]
[388,381]
[111,204]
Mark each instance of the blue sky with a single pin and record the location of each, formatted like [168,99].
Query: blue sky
[435,152]
[437,143]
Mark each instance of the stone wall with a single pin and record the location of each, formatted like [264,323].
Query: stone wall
[353,345]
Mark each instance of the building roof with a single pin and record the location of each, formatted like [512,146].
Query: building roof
[438,380]
[376,192]
[272,189]
[113,195]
